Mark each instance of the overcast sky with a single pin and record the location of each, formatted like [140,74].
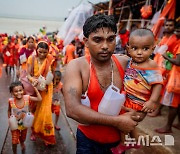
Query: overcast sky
[39,9]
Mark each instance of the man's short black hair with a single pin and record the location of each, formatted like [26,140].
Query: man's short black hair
[170,20]
[98,21]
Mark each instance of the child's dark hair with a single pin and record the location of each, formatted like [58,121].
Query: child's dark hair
[98,21]
[142,32]
[57,73]
[43,44]
[15,84]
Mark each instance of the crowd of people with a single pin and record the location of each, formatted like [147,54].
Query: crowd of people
[146,69]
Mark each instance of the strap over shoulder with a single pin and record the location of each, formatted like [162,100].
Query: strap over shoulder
[88,58]
[11,102]
[120,69]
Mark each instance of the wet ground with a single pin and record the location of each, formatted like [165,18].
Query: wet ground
[66,141]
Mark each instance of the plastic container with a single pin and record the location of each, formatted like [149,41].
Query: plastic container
[85,100]
[49,78]
[41,83]
[13,124]
[28,119]
[112,101]
[162,49]
[22,58]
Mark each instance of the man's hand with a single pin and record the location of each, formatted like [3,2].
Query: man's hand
[127,121]
[141,115]
[165,55]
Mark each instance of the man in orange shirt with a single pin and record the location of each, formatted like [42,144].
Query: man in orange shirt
[70,52]
[90,76]
[170,40]
[174,102]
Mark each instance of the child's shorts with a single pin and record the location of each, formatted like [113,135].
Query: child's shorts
[18,136]
[56,109]
[130,104]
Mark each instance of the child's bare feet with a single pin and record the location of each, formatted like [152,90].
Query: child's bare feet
[164,130]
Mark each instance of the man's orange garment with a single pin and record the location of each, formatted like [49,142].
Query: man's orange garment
[70,53]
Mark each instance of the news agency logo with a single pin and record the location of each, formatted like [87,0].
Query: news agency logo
[149,141]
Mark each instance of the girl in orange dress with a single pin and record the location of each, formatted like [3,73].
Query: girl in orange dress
[171,98]
[8,55]
[19,106]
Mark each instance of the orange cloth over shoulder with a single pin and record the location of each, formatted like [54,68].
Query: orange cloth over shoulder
[87,51]
[70,53]
[171,43]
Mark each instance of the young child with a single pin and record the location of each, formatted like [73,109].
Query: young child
[57,90]
[143,80]
[19,106]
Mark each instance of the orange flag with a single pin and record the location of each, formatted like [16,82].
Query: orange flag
[169,12]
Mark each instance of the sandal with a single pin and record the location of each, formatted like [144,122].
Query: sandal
[122,148]
[33,138]
[57,128]
[177,126]
[46,144]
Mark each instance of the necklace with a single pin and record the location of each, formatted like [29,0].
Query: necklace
[39,62]
[105,87]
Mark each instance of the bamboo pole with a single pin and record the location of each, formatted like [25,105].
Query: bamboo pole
[118,9]
[110,7]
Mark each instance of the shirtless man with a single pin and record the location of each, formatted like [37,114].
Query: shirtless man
[97,133]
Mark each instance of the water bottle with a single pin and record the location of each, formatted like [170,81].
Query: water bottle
[28,119]
[112,101]
[41,83]
[13,122]
[85,100]
[162,49]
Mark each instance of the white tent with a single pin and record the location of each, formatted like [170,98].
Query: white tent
[72,27]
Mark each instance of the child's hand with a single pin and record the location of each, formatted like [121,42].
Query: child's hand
[149,107]
[34,82]
[22,115]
